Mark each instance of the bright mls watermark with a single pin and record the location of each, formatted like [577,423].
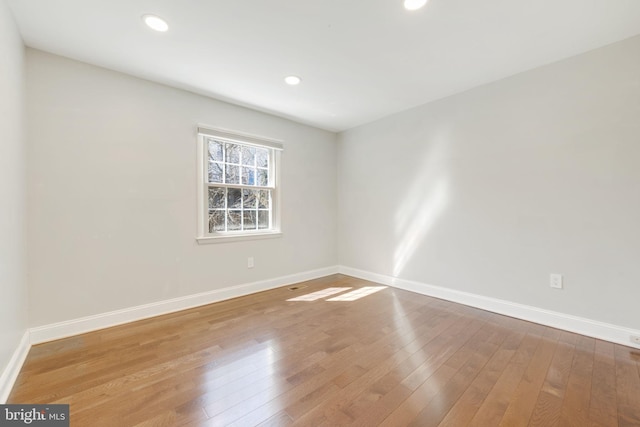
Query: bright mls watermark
[34,415]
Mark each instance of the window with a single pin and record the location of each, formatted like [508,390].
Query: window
[238,186]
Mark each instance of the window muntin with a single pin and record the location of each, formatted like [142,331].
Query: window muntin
[239,186]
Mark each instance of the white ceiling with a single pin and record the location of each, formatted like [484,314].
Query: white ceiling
[359,59]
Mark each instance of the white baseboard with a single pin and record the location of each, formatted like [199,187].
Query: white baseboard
[68,328]
[592,328]
[10,373]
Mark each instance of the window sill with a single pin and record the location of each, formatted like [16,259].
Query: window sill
[237,237]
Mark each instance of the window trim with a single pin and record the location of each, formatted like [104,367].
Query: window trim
[275,148]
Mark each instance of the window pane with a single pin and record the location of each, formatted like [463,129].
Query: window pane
[249,199]
[216,198]
[248,176]
[216,221]
[230,165]
[233,153]
[248,156]
[233,174]
[263,177]
[215,172]
[234,198]
[262,158]
[263,199]
[234,220]
[263,219]
[215,151]
[249,220]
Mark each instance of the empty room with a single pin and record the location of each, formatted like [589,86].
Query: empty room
[273,213]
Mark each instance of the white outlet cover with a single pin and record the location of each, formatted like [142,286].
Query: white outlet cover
[555,281]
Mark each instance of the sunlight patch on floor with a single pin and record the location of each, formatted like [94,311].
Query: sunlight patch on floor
[358,293]
[319,294]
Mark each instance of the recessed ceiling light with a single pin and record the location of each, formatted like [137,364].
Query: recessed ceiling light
[292,80]
[414,4]
[155,23]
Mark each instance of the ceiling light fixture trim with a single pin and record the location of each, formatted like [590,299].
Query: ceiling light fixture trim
[292,80]
[155,23]
[414,4]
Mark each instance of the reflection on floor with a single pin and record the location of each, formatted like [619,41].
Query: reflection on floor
[358,293]
[313,296]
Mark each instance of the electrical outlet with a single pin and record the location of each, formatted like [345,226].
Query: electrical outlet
[555,281]
[635,339]
[250,262]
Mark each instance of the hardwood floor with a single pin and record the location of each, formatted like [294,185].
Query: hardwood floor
[391,358]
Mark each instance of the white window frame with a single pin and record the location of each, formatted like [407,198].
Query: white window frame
[275,147]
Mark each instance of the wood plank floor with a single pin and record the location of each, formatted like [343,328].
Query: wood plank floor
[390,358]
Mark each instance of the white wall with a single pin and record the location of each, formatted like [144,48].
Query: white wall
[112,193]
[13,288]
[491,190]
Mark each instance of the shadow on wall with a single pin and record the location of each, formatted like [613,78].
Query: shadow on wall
[424,202]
